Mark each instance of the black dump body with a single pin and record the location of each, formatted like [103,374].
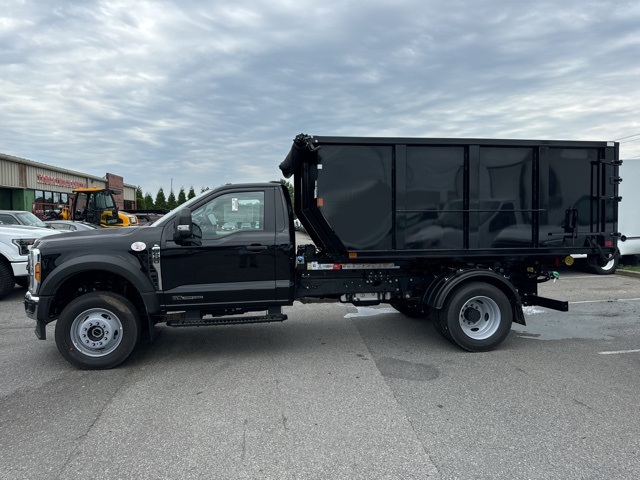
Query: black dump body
[456,198]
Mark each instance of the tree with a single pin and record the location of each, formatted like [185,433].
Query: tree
[148,202]
[171,201]
[191,193]
[161,201]
[140,204]
[203,189]
[181,196]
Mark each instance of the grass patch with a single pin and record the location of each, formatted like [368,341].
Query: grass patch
[635,268]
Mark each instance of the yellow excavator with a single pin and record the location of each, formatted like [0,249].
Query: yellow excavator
[98,206]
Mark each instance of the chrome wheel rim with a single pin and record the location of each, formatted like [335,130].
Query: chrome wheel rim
[96,332]
[480,318]
[609,266]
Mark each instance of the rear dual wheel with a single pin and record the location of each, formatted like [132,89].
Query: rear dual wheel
[410,309]
[419,311]
[476,316]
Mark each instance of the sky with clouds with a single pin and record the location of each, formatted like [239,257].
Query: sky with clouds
[193,93]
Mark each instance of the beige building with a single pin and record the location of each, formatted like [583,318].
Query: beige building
[38,188]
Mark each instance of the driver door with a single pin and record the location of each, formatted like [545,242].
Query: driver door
[235,264]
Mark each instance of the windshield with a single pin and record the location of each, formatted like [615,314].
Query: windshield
[103,201]
[28,218]
[161,221]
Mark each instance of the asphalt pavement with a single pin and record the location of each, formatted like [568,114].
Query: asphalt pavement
[337,392]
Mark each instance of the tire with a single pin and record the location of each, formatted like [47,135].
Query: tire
[22,282]
[607,269]
[412,310]
[97,331]
[476,316]
[440,323]
[7,281]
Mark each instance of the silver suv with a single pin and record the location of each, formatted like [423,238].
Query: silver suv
[15,242]
[20,217]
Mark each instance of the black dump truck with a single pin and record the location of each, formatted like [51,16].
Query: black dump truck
[458,230]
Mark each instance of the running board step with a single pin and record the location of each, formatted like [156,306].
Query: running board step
[203,322]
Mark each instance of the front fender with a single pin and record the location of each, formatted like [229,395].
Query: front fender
[128,268]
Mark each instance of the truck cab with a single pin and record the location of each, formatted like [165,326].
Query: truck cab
[185,270]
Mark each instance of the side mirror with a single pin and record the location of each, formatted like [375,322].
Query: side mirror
[184,229]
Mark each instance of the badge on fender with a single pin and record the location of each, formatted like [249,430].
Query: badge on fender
[138,246]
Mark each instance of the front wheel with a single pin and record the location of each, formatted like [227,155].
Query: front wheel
[477,317]
[98,330]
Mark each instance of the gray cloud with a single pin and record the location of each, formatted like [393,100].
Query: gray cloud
[202,94]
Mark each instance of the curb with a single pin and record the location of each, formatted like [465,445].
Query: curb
[628,273]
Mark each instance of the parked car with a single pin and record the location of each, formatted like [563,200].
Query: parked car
[15,242]
[147,218]
[229,226]
[20,217]
[70,225]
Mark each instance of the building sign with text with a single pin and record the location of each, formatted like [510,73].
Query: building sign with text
[59,182]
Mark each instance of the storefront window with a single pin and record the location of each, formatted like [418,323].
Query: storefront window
[48,197]
[39,196]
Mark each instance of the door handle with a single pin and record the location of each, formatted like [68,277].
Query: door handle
[256,248]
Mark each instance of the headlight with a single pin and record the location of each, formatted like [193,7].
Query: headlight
[34,269]
[23,244]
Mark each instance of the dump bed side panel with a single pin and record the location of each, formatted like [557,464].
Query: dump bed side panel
[355,191]
[443,197]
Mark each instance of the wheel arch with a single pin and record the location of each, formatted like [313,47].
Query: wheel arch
[4,259]
[125,268]
[436,294]
[89,273]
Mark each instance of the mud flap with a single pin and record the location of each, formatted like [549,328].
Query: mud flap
[41,330]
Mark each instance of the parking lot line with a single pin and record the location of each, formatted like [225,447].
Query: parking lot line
[618,352]
[606,301]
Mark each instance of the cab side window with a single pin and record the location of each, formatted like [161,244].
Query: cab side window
[8,220]
[230,214]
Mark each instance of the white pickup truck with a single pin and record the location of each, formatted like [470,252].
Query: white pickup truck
[15,241]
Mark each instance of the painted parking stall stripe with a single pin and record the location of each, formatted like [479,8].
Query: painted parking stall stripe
[620,352]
